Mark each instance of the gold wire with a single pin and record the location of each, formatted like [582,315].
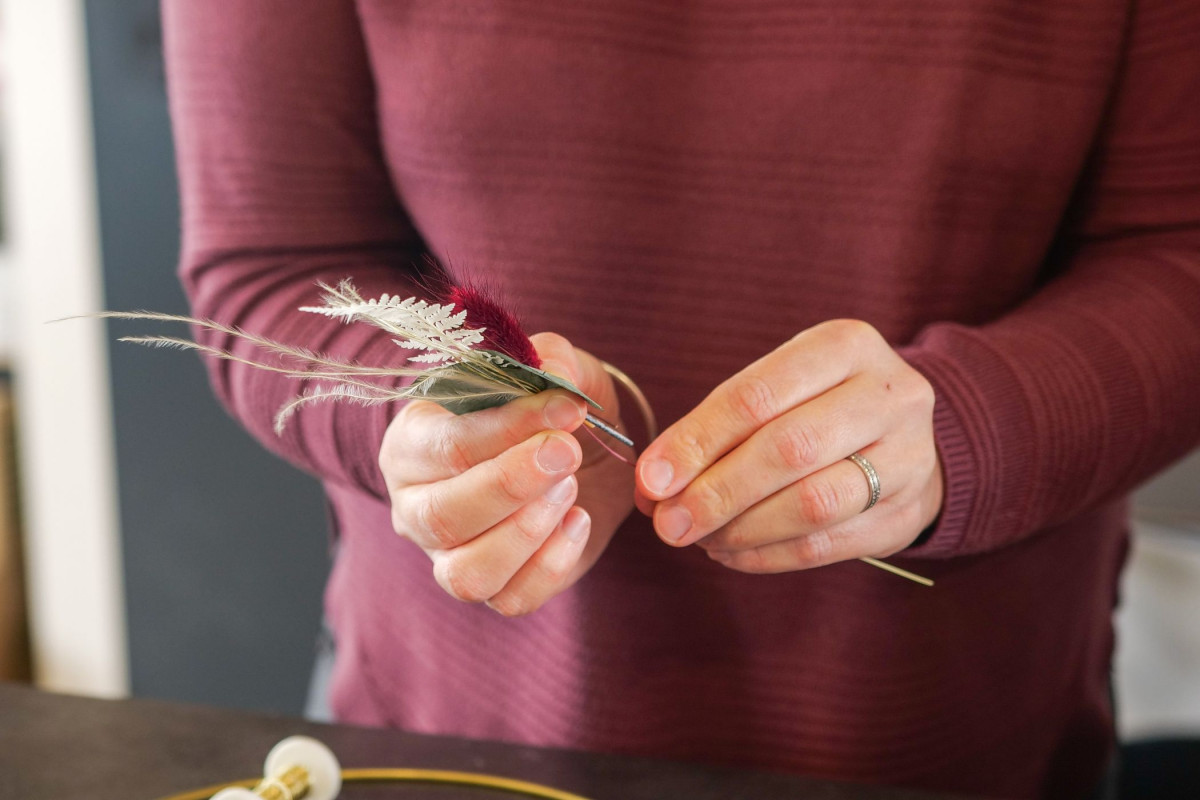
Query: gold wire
[639,397]
[405,775]
[892,568]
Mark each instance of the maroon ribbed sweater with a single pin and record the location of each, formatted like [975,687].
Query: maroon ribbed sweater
[1009,191]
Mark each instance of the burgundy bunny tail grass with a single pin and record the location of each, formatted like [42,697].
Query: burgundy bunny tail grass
[432,278]
[502,331]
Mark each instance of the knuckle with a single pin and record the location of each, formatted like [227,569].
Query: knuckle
[451,451]
[461,582]
[862,332]
[691,446]
[433,521]
[553,572]
[545,341]
[403,418]
[530,527]
[818,503]
[813,550]
[401,514]
[557,350]
[734,537]
[799,446]
[508,485]
[407,517]
[409,420]
[751,561]
[910,517]
[851,332]
[922,394]
[710,504]
[391,455]
[928,462]
[387,463]
[510,605]
[753,399]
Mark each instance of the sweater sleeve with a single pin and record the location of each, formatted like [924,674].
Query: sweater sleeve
[283,184]
[1090,386]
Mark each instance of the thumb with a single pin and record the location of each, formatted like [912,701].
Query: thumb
[558,356]
[581,368]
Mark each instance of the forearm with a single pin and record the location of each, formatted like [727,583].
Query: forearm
[1089,386]
[283,184]
[1072,399]
[262,293]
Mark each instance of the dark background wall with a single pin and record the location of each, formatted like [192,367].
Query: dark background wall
[225,550]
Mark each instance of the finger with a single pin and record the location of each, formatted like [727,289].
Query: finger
[558,355]
[880,532]
[806,439]
[644,504]
[451,512]
[428,443]
[587,373]
[550,571]
[580,367]
[808,365]
[824,499]
[478,570]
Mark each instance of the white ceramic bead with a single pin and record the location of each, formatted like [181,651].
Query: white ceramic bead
[235,793]
[324,771]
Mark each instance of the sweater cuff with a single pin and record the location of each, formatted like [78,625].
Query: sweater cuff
[964,440]
[960,470]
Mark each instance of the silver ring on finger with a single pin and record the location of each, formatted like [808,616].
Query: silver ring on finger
[872,478]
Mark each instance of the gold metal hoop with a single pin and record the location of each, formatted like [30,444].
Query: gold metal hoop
[639,398]
[402,775]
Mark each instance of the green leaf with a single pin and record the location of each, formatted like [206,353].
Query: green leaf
[450,388]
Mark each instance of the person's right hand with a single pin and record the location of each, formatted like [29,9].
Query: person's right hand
[491,496]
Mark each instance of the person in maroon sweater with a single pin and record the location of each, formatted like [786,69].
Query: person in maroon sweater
[960,239]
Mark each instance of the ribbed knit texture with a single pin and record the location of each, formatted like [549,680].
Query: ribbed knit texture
[1009,191]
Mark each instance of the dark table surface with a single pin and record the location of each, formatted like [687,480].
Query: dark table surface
[55,747]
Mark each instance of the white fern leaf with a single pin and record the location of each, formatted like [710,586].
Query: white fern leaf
[417,324]
[438,315]
[430,358]
[467,338]
[413,344]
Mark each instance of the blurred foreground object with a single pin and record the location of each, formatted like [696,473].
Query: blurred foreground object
[1158,656]
[1158,660]
[14,630]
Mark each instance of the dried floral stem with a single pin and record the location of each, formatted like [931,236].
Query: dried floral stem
[448,369]
[592,421]
[892,568]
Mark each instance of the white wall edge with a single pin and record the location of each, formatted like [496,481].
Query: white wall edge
[60,371]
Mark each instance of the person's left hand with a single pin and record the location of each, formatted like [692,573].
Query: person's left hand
[757,473]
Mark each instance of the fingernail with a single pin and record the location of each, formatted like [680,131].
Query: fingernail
[555,455]
[561,413]
[673,523]
[560,491]
[576,528]
[719,556]
[657,475]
